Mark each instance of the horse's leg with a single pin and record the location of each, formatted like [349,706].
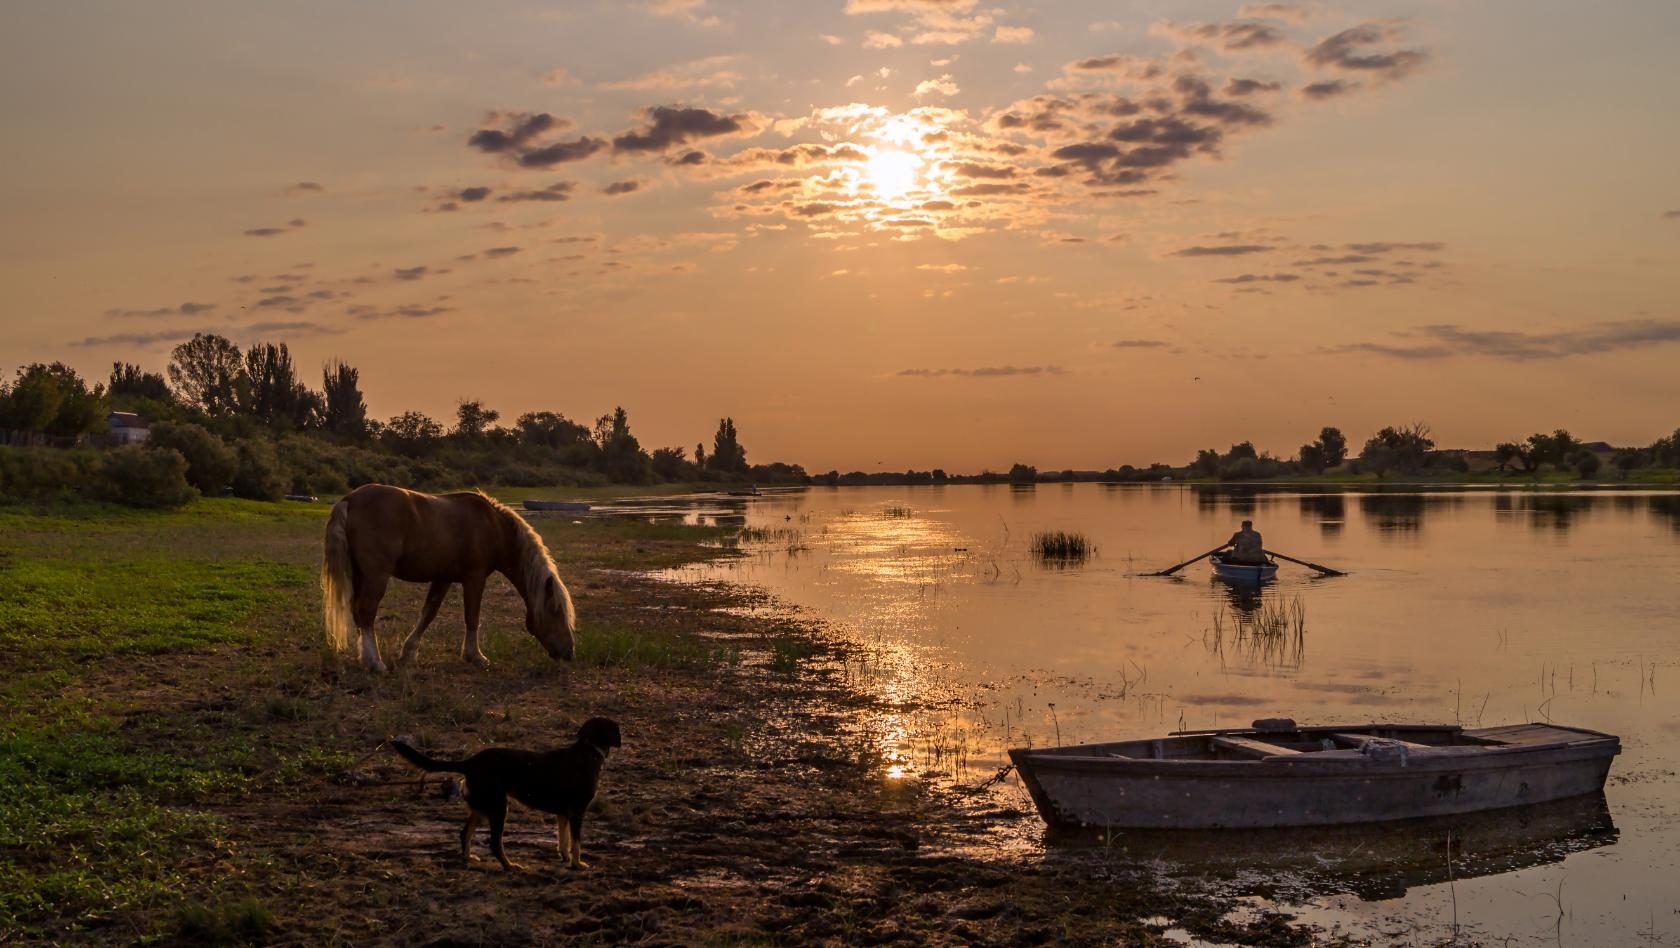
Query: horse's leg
[472,592]
[364,608]
[428,612]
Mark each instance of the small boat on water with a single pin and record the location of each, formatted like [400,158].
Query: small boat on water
[567,506]
[1242,572]
[1278,774]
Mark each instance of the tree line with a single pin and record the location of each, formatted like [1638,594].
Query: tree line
[247,422]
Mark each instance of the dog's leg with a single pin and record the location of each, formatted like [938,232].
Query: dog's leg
[473,819]
[472,591]
[428,612]
[576,828]
[364,609]
[498,822]
[563,836]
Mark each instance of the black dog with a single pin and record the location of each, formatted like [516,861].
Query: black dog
[561,782]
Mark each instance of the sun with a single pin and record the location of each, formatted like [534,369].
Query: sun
[892,172]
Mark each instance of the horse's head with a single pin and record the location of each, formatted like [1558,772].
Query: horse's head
[551,620]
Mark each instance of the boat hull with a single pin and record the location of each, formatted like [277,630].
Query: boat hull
[1309,789]
[1243,573]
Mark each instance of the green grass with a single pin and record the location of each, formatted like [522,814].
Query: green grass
[608,646]
[1062,545]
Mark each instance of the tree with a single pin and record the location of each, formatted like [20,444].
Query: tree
[700,455]
[670,463]
[53,400]
[208,373]
[211,463]
[473,419]
[411,433]
[1626,460]
[727,453]
[1584,461]
[1206,463]
[1312,458]
[1507,451]
[1665,452]
[1555,448]
[273,393]
[1242,449]
[1023,474]
[1334,447]
[622,457]
[549,429]
[343,412]
[1403,449]
[129,381]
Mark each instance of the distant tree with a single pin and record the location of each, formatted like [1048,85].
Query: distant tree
[1242,449]
[53,400]
[1403,449]
[1334,447]
[411,433]
[670,463]
[1023,474]
[1206,463]
[1584,461]
[1506,452]
[1665,452]
[622,458]
[273,393]
[473,419]
[1312,458]
[727,453]
[1555,448]
[939,475]
[700,455]
[550,430]
[343,411]
[128,380]
[1626,460]
[211,463]
[208,374]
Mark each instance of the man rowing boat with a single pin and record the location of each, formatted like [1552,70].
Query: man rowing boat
[1245,546]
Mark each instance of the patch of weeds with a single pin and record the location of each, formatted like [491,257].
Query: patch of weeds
[230,923]
[608,646]
[787,654]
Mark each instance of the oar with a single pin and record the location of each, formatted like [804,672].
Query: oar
[1171,570]
[1322,569]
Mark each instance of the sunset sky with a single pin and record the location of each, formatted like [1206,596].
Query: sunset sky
[878,233]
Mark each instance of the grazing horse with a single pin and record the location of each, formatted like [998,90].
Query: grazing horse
[377,533]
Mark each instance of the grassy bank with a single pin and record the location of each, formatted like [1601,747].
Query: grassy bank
[180,761]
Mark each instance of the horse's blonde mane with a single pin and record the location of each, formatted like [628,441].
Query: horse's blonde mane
[536,563]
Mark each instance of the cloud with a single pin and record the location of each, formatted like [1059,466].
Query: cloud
[558,76]
[520,129]
[410,273]
[291,225]
[987,372]
[1221,250]
[670,126]
[1013,34]
[561,153]
[405,311]
[1230,37]
[944,85]
[184,309]
[496,253]
[1141,344]
[1290,12]
[1671,215]
[942,267]
[854,7]
[304,187]
[691,10]
[139,338]
[1446,340]
[831,39]
[294,328]
[1327,89]
[558,191]
[1261,278]
[1350,51]
[1241,87]
[875,39]
[472,194]
[617,188]
[699,74]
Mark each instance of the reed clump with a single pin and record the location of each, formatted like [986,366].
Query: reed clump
[1062,546]
[897,511]
[1274,633]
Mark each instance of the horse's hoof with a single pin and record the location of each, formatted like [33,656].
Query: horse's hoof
[477,661]
[374,668]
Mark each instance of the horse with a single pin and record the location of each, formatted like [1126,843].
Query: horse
[378,532]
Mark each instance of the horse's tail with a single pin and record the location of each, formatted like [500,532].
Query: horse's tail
[428,764]
[336,574]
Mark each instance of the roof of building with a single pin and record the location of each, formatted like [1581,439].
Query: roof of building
[126,419]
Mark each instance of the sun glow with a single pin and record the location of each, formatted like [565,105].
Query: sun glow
[892,172]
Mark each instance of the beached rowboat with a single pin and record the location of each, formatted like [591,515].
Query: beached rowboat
[1242,572]
[1277,774]
[569,506]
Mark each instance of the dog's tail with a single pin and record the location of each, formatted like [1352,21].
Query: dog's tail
[336,577]
[424,762]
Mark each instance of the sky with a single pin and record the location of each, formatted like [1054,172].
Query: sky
[879,234]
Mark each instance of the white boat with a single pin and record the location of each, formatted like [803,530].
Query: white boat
[1243,572]
[1279,774]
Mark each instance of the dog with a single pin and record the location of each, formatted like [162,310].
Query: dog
[562,782]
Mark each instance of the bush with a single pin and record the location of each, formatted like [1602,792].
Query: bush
[259,476]
[48,474]
[1585,462]
[211,464]
[147,477]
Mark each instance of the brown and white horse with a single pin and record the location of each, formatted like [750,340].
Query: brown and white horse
[377,533]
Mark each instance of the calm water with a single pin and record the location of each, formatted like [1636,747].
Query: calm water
[1473,606]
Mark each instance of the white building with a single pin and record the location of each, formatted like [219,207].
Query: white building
[126,427]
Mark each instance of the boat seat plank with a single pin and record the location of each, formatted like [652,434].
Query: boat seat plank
[1358,739]
[1251,747]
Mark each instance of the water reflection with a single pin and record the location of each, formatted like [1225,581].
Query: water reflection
[1375,862]
[1328,510]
